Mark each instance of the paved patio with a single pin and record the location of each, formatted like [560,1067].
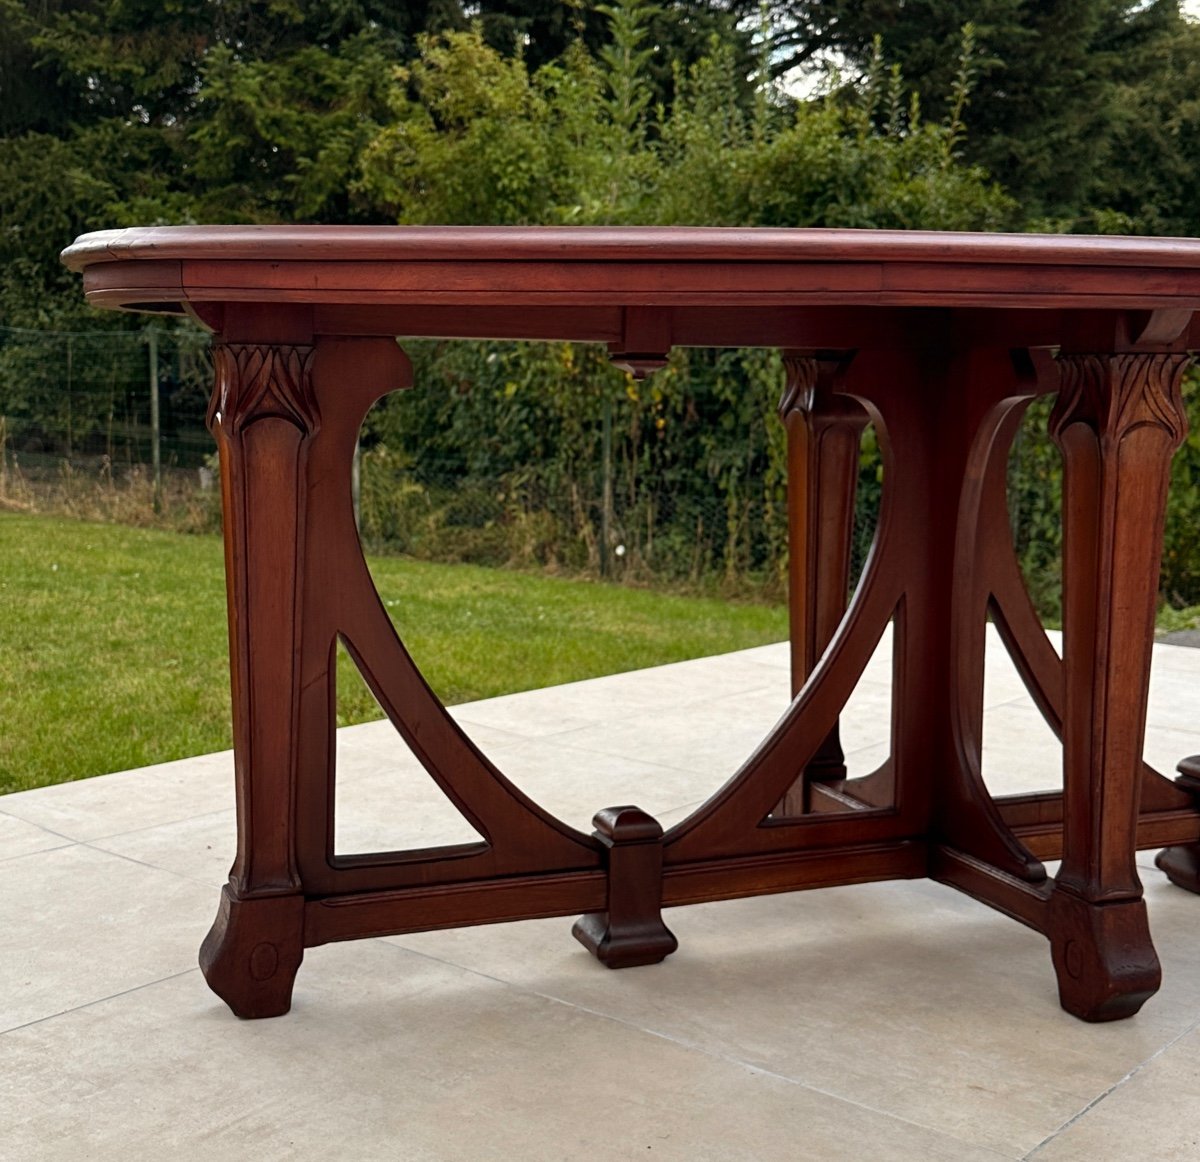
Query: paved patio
[886,1021]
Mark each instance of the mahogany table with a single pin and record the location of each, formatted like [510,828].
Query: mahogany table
[940,341]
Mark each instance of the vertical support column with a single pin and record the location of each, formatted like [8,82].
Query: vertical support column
[824,431]
[1118,420]
[263,414]
[982,397]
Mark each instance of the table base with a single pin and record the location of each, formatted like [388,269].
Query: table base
[286,412]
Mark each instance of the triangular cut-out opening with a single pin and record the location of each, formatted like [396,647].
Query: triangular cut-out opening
[1021,754]
[866,722]
[384,800]
[851,772]
[868,499]
[1035,508]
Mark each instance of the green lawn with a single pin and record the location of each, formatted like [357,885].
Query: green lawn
[113,643]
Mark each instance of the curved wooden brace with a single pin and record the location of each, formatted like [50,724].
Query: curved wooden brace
[1024,637]
[1040,668]
[824,433]
[520,835]
[736,819]
[969,820]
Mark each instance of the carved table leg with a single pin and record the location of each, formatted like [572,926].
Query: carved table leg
[263,416]
[1118,420]
[824,431]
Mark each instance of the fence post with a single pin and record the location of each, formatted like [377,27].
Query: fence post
[606,495]
[70,377]
[155,427]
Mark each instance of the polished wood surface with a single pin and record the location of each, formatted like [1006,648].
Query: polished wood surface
[939,341]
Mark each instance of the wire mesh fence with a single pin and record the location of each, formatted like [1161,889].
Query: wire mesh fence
[107,424]
[110,424]
[80,395]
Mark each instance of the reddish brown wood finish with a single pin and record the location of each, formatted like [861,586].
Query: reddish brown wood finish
[264,416]
[824,430]
[630,931]
[1118,420]
[939,341]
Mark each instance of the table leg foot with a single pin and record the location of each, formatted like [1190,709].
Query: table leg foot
[1105,961]
[631,932]
[1181,865]
[252,952]
[624,946]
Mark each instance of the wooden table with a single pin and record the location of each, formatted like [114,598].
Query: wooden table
[940,341]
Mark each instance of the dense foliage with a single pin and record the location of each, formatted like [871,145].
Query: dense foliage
[692,482]
[1051,80]
[116,112]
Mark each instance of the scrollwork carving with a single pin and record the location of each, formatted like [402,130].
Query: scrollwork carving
[258,380]
[1114,393]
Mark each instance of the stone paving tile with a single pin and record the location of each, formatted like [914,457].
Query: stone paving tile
[892,1021]
[78,925]
[391,1055]
[19,838]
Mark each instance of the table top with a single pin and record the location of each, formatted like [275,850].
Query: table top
[715,281]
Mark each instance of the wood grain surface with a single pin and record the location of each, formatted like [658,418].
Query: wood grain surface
[939,341]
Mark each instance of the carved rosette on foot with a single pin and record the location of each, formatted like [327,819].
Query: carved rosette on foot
[263,414]
[1118,420]
[253,951]
[1103,956]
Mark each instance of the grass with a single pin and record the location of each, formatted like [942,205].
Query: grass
[113,648]
[1171,620]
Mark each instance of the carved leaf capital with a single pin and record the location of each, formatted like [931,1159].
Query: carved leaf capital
[254,381]
[801,372]
[1115,393]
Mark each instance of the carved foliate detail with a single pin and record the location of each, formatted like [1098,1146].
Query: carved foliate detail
[798,387]
[257,380]
[1114,393]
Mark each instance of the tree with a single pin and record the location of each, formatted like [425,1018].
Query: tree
[1049,76]
[678,33]
[280,139]
[1151,186]
[34,94]
[123,112]
[145,59]
[477,137]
